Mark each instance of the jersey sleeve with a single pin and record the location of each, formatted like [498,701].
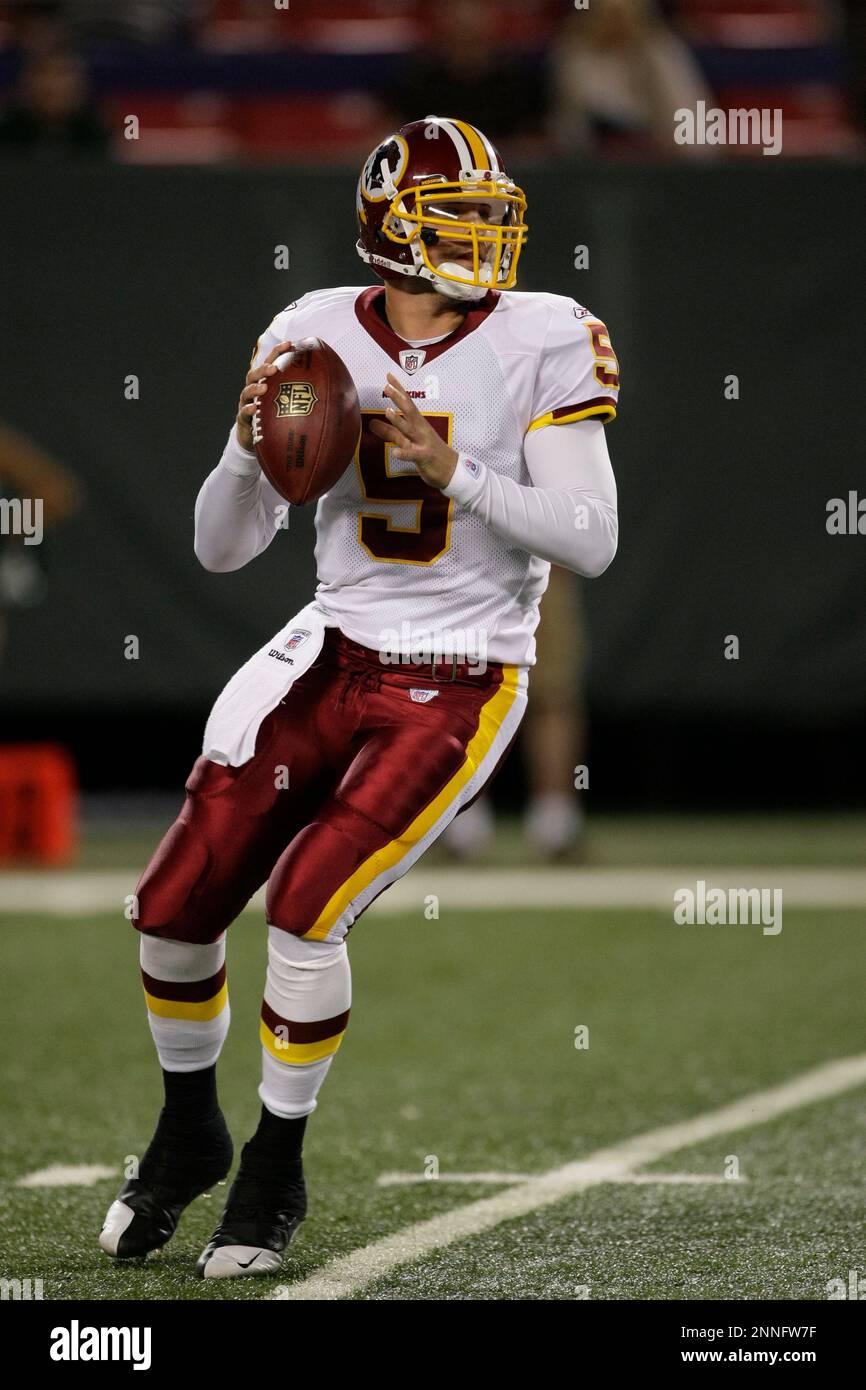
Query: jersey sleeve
[279,330]
[578,373]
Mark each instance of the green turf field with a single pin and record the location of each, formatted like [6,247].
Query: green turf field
[461,1048]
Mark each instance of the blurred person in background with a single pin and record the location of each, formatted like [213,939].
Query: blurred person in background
[51,114]
[617,75]
[466,66]
[553,739]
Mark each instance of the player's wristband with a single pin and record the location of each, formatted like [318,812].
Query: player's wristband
[467,480]
[238,460]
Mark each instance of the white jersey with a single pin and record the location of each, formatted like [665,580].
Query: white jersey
[399,563]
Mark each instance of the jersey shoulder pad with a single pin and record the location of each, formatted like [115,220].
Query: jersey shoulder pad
[564,314]
[578,372]
[534,319]
[317,303]
[315,313]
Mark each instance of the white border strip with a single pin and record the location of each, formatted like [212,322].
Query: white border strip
[71,894]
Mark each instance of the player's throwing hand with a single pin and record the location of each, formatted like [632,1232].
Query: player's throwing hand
[254,388]
[416,438]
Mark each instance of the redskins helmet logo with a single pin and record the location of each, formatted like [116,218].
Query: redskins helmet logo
[386,165]
[295,398]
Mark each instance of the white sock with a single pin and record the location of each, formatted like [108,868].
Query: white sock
[554,822]
[187,1001]
[308,993]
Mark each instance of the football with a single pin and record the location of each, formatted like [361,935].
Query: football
[307,423]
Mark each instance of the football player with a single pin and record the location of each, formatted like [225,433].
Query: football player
[344,747]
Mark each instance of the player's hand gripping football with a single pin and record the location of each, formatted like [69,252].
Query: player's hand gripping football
[415,437]
[255,387]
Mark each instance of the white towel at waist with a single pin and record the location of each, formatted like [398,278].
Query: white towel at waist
[257,688]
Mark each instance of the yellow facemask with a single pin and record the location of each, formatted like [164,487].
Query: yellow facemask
[495,247]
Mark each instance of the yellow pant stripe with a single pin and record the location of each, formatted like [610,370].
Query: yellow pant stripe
[285,1051]
[490,721]
[199,1012]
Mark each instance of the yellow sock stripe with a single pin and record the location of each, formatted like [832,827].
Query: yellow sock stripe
[199,1012]
[480,157]
[492,715]
[285,1051]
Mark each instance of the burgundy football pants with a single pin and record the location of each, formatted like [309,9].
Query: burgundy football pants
[356,771]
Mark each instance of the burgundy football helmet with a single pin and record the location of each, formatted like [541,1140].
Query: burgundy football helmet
[435,182]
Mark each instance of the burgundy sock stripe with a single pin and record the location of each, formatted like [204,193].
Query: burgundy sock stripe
[188,991]
[304,1032]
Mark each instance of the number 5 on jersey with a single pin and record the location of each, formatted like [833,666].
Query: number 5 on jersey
[381,536]
[606,365]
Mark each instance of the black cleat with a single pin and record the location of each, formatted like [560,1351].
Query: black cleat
[262,1214]
[178,1167]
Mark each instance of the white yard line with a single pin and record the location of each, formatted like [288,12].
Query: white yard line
[511,1179]
[69,894]
[410,1179]
[677,1179]
[68,1175]
[349,1274]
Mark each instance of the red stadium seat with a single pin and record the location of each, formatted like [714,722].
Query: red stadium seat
[814,120]
[190,128]
[776,54]
[757,23]
[334,25]
[358,26]
[345,125]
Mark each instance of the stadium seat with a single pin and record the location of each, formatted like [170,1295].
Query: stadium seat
[185,128]
[814,119]
[776,54]
[343,125]
[757,23]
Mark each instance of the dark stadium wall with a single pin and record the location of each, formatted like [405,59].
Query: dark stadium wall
[168,275]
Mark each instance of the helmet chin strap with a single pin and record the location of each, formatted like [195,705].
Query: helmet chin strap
[456,289]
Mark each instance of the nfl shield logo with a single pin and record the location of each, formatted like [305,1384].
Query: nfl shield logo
[295,638]
[412,359]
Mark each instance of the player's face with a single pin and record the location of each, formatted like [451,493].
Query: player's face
[484,212]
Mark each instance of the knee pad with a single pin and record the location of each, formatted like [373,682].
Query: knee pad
[305,1011]
[308,994]
[307,981]
[181,961]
